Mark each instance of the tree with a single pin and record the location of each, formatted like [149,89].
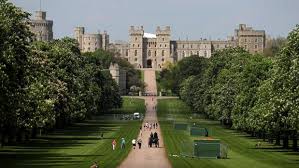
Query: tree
[14,50]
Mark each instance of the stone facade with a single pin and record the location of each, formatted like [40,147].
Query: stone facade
[91,42]
[119,76]
[145,50]
[41,28]
[252,40]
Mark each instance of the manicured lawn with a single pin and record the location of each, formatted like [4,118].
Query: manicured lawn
[76,146]
[242,151]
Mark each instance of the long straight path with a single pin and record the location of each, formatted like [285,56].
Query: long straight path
[147,157]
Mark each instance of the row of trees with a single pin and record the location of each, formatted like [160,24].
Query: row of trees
[248,92]
[46,85]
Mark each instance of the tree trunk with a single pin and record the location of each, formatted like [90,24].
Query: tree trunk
[277,139]
[33,132]
[264,136]
[286,140]
[295,143]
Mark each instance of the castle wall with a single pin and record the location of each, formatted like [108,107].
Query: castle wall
[146,50]
[89,42]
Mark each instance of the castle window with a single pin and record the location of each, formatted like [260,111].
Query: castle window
[245,40]
[155,53]
[255,46]
[205,53]
[138,45]
[162,59]
[126,52]
[160,45]
[162,39]
[135,38]
[155,45]
[162,53]
[149,53]
[183,46]
[135,59]
[256,40]
[245,46]
[135,52]
[197,53]
[133,45]
[191,45]
[165,45]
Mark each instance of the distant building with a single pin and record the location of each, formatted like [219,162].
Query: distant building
[252,40]
[91,42]
[119,76]
[145,50]
[42,28]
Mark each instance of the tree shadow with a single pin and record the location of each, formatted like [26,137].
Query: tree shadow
[42,151]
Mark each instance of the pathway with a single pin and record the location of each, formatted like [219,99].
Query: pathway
[148,157]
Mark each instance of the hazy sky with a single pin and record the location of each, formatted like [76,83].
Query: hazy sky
[194,19]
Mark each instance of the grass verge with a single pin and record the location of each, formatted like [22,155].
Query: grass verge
[78,145]
[242,151]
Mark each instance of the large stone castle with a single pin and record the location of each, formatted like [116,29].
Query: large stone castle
[145,50]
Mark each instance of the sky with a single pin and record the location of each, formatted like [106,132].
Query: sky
[192,19]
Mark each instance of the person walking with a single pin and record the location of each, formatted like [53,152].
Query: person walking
[134,143]
[123,143]
[113,144]
[95,165]
[139,143]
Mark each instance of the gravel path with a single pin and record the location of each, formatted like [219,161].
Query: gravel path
[147,157]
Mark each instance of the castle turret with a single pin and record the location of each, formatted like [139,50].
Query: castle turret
[41,28]
[79,32]
[136,46]
[163,45]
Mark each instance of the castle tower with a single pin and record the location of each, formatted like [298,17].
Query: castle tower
[136,47]
[115,72]
[105,40]
[79,32]
[41,28]
[163,46]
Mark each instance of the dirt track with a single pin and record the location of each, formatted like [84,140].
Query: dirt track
[147,157]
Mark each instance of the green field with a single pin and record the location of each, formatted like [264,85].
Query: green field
[78,145]
[242,152]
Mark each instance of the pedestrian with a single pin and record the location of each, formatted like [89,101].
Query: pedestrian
[150,142]
[113,144]
[139,143]
[156,125]
[95,165]
[134,143]
[155,135]
[123,143]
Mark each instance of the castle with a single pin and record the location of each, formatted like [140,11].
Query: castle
[41,27]
[145,50]
[89,42]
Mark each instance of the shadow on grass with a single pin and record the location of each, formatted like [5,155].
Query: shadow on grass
[41,152]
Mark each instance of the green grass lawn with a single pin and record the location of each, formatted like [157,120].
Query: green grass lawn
[78,145]
[242,151]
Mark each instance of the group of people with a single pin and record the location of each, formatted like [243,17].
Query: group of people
[150,126]
[123,143]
